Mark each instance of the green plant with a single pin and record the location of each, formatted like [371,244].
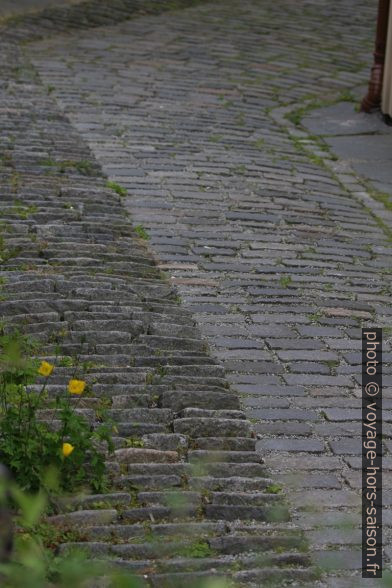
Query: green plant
[331,363]
[196,550]
[117,188]
[383,197]
[149,378]
[347,96]
[295,116]
[35,562]
[6,253]
[83,166]
[273,489]
[215,138]
[133,442]
[161,371]
[285,281]
[30,446]
[240,169]
[23,212]
[259,143]
[240,119]
[66,361]
[316,316]
[141,232]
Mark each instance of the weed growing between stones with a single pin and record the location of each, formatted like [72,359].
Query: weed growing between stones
[34,562]
[117,188]
[141,232]
[318,152]
[23,212]
[6,253]
[29,445]
[198,549]
[285,281]
[313,102]
[384,198]
[84,167]
[273,489]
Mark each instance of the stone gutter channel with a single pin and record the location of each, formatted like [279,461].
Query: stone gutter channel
[185,474]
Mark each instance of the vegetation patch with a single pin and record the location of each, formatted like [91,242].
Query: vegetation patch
[83,166]
[285,281]
[141,232]
[32,447]
[273,489]
[117,188]
[198,549]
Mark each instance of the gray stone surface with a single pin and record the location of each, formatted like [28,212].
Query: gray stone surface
[343,118]
[363,142]
[373,148]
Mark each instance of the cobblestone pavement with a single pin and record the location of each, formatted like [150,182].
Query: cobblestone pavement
[280,258]
[190,497]
[33,19]
[279,255]
[12,7]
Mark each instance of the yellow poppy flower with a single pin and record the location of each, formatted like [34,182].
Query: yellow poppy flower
[46,368]
[76,386]
[67,449]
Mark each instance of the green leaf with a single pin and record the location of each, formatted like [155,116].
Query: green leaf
[32,506]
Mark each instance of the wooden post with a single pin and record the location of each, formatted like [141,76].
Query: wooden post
[373,97]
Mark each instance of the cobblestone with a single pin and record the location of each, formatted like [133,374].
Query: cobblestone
[290,444]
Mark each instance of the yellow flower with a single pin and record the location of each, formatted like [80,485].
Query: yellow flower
[67,449]
[76,386]
[46,368]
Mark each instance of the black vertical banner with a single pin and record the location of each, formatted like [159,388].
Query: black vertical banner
[371,453]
